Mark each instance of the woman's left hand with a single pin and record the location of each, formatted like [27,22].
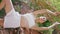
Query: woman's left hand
[57,13]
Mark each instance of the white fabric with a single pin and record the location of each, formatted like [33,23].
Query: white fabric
[12,19]
[11,4]
[30,18]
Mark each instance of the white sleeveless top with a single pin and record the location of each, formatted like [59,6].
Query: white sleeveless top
[12,19]
[30,18]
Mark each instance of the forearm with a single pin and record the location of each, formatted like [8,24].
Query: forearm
[8,6]
[44,11]
[44,28]
[51,26]
[39,28]
[56,23]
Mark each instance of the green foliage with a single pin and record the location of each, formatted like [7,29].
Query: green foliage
[16,4]
[2,13]
[34,6]
[55,3]
[46,24]
[41,4]
[0,1]
[56,18]
[39,24]
[48,31]
[58,27]
[13,1]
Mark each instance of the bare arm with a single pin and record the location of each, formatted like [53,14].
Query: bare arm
[43,11]
[44,28]
[39,28]
[8,6]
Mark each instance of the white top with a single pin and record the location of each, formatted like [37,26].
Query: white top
[12,19]
[30,18]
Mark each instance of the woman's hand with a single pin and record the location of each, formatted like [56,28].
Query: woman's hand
[57,13]
[56,23]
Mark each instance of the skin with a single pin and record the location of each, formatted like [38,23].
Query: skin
[8,7]
[35,27]
[57,13]
[2,4]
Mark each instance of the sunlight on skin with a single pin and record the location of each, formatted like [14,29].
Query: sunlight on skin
[9,6]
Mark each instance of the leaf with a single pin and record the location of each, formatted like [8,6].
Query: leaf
[47,23]
[55,3]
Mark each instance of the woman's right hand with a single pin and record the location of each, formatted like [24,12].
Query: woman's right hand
[57,23]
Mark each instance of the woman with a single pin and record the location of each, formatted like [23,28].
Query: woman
[12,18]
